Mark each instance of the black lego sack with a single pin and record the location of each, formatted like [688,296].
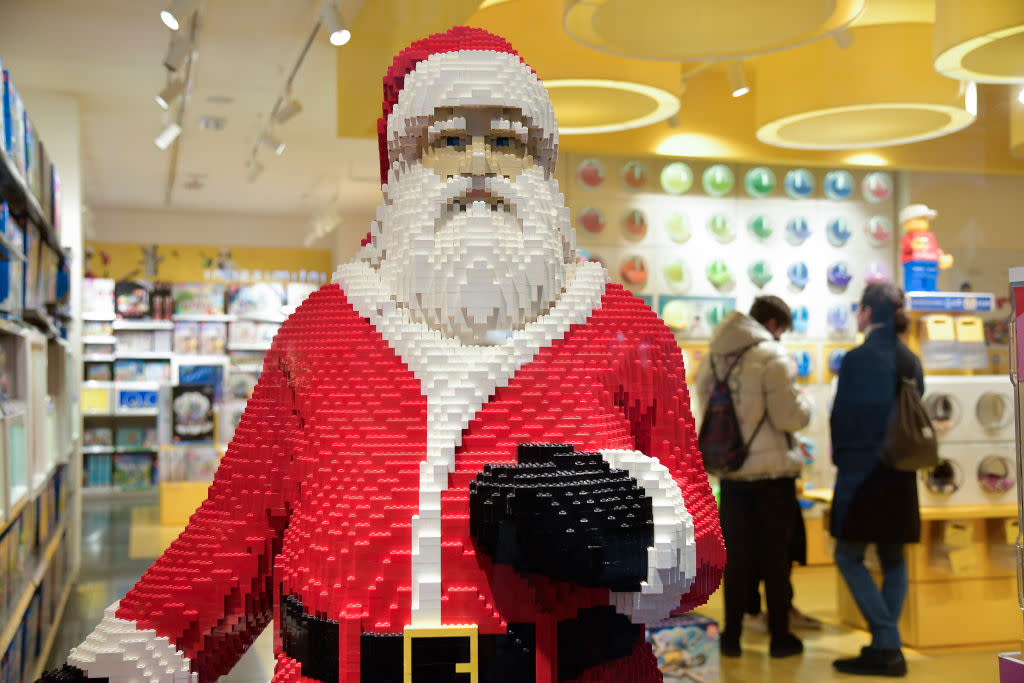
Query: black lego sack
[720,439]
[910,444]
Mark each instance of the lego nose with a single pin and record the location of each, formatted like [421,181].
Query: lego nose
[478,160]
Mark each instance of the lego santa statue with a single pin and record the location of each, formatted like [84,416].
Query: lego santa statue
[469,458]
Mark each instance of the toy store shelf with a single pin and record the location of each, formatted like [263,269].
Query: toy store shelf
[146,495]
[17,194]
[143,325]
[249,347]
[10,248]
[97,318]
[11,327]
[950,302]
[930,512]
[145,355]
[47,645]
[247,367]
[41,319]
[97,358]
[98,339]
[200,359]
[101,450]
[140,412]
[203,318]
[30,583]
[263,318]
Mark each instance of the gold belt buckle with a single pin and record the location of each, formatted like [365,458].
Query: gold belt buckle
[472,667]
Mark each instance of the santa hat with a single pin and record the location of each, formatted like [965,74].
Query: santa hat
[463,66]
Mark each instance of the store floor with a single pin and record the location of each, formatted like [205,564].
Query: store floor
[120,540]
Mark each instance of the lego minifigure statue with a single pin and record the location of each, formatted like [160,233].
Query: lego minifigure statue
[919,251]
[468,458]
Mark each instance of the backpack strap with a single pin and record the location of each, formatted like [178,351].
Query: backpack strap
[726,381]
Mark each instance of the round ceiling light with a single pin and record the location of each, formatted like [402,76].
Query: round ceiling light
[696,30]
[1016,129]
[849,99]
[585,106]
[980,40]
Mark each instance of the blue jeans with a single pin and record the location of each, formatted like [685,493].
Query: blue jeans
[881,609]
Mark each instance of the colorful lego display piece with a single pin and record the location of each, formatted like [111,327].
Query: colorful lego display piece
[919,250]
[384,499]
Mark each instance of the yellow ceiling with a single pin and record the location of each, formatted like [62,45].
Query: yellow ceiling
[710,123]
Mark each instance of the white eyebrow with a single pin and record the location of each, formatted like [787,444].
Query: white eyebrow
[439,128]
[514,127]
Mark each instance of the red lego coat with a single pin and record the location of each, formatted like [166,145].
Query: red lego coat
[316,492]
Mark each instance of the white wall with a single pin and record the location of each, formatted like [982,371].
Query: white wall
[198,227]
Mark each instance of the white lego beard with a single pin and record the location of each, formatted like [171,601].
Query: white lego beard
[474,271]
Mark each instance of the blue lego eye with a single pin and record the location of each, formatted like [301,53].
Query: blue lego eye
[453,141]
[503,142]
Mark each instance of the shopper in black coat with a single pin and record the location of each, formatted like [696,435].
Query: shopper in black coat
[873,503]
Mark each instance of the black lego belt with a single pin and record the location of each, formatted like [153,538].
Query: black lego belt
[455,654]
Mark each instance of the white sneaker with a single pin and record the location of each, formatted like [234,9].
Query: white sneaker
[756,622]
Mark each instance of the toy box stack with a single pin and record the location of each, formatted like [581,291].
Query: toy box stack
[686,647]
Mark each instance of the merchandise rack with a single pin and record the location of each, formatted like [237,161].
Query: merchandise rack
[16,193]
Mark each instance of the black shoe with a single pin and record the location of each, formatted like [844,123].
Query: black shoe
[874,661]
[787,646]
[729,645]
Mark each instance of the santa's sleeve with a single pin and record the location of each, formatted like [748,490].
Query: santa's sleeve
[653,396]
[202,603]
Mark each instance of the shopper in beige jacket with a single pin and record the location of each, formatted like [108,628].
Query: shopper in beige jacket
[758,500]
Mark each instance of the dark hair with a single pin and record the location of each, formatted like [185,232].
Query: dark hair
[886,302]
[770,307]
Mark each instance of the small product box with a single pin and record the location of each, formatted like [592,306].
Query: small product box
[687,648]
[198,298]
[133,470]
[186,337]
[11,266]
[213,337]
[263,299]
[131,299]
[98,297]
[98,437]
[14,124]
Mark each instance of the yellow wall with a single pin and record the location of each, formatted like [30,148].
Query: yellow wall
[189,263]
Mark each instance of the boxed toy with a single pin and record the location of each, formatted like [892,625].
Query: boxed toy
[30,281]
[192,413]
[241,384]
[687,647]
[98,297]
[98,371]
[97,328]
[129,370]
[31,161]
[263,299]
[202,463]
[56,196]
[131,299]
[213,338]
[130,438]
[98,436]
[11,265]
[14,124]
[133,470]
[211,374]
[173,464]
[198,298]
[156,371]
[186,337]
[99,469]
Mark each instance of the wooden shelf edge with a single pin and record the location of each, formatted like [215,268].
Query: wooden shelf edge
[51,637]
[30,587]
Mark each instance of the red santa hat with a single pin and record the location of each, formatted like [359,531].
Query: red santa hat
[463,66]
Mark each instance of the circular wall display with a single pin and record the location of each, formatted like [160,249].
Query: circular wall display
[994,410]
[995,474]
[879,230]
[721,228]
[634,225]
[677,275]
[799,183]
[797,230]
[633,270]
[800,318]
[943,410]
[877,272]
[838,184]
[838,275]
[837,231]
[835,361]
[590,219]
[759,182]
[590,173]
[677,314]
[718,273]
[634,175]
[803,361]
[798,275]
[876,187]
[760,273]
[718,180]
[760,226]
[678,227]
[838,319]
[676,178]
[944,479]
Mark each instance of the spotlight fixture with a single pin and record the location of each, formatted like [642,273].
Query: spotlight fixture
[288,109]
[843,38]
[332,22]
[167,135]
[737,79]
[272,142]
[177,13]
[171,91]
[971,98]
[177,50]
[1020,96]
[255,168]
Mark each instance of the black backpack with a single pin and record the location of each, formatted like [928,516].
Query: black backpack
[721,440]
